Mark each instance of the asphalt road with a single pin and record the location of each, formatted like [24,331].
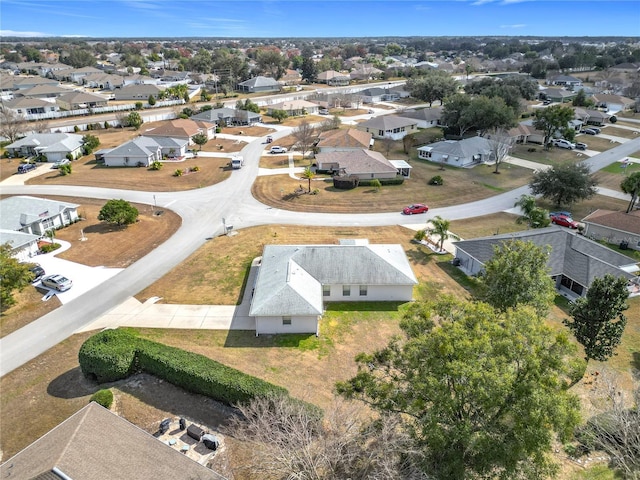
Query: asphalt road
[202,211]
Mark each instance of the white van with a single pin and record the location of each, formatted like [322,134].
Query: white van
[237,162]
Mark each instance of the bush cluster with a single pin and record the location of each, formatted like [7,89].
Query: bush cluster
[103,397]
[437,180]
[346,183]
[115,354]
[49,247]
[399,180]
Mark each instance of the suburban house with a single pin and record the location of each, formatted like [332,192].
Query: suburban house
[183,128]
[27,107]
[228,116]
[137,92]
[389,126]
[342,140]
[524,132]
[75,100]
[294,282]
[557,95]
[334,79]
[574,261]
[54,146]
[23,245]
[294,108]
[143,151]
[377,94]
[363,163]
[35,215]
[613,103]
[290,77]
[565,81]
[459,153]
[103,81]
[592,117]
[426,117]
[365,72]
[77,74]
[259,84]
[96,443]
[42,91]
[26,83]
[614,227]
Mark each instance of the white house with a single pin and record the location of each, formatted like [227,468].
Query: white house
[143,151]
[389,126]
[35,215]
[54,146]
[23,245]
[295,281]
[426,117]
[294,108]
[459,153]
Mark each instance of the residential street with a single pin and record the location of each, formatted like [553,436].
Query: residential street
[202,212]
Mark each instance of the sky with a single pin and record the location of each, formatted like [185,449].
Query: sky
[314,18]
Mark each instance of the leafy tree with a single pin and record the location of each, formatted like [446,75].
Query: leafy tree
[200,139]
[552,119]
[119,212]
[305,135]
[79,58]
[440,228]
[598,321]
[309,175]
[152,100]
[481,394]
[65,169]
[533,215]
[279,115]
[631,185]
[272,63]
[517,274]
[90,143]
[581,100]
[434,85]
[452,112]
[564,184]
[12,125]
[134,120]
[309,70]
[14,275]
[463,113]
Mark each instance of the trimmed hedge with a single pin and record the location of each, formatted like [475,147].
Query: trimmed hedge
[399,180]
[115,354]
[103,397]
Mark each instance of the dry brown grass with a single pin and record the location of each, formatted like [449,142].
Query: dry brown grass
[622,132]
[460,186]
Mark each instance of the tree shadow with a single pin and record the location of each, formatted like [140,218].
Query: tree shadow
[71,384]
[635,364]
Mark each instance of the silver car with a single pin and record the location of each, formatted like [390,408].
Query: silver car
[57,282]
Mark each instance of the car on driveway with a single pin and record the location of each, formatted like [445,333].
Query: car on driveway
[581,146]
[26,167]
[563,220]
[57,282]
[415,208]
[37,271]
[60,163]
[562,143]
[590,131]
[276,149]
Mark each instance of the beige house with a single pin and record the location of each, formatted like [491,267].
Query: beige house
[295,108]
[183,128]
[334,79]
[344,140]
[389,126]
[363,163]
[77,100]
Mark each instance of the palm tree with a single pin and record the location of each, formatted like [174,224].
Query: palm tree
[631,185]
[309,175]
[535,217]
[440,228]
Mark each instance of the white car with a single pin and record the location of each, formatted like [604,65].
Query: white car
[562,143]
[278,150]
[57,282]
[59,163]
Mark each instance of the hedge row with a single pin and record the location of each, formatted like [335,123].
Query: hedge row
[399,180]
[115,354]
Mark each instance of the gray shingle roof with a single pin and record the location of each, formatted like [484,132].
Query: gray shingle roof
[16,239]
[358,162]
[624,222]
[428,114]
[260,81]
[49,142]
[17,211]
[387,122]
[465,148]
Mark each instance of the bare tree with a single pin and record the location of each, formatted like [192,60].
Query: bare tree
[41,126]
[500,143]
[387,143]
[12,125]
[288,440]
[121,118]
[305,136]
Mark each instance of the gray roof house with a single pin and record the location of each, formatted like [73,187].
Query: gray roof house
[363,163]
[35,215]
[459,153]
[592,117]
[143,151]
[574,261]
[565,81]
[614,227]
[259,84]
[294,282]
[75,100]
[558,94]
[96,443]
[139,92]
[30,107]
[426,117]
[342,140]
[23,245]
[55,146]
[377,94]
[228,116]
[389,126]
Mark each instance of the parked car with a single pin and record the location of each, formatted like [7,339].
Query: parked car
[590,131]
[415,208]
[323,111]
[276,149]
[57,282]
[565,213]
[26,167]
[563,221]
[562,143]
[269,139]
[547,102]
[581,146]
[59,163]
[37,272]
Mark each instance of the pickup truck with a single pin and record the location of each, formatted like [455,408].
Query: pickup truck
[237,162]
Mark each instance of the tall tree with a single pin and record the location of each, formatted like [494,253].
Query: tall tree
[564,184]
[500,143]
[119,212]
[305,135]
[552,119]
[12,125]
[631,185]
[308,175]
[439,227]
[14,276]
[518,274]
[533,215]
[433,85]
[134,120]
[597,319]
[272,63]
[482,393]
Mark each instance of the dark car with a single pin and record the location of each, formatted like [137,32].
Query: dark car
[564,221]
[581,146]
[590,131]
[26,167]
[37,272]
[415,208]
[57,282]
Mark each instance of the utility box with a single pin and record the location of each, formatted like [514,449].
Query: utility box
[237,162]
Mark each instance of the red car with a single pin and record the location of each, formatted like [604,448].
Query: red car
[415,208]
[564,221]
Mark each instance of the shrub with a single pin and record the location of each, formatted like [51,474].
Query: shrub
[371,182]
[531,150]
[346,183]
[106,125]
[69,156]
[315,191]
[109,356]
[49,247]
[178,173]
[195,168]
[138,105]
[65,169]
[375,183]
[437,180]
[76,128]
[155,165]
[103,397]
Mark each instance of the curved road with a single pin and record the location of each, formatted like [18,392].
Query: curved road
[202,211]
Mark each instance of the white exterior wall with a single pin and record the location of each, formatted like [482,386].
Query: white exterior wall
[614,237]
[468,263]
[26,252]
[118,161]
[273,325]
[375,293]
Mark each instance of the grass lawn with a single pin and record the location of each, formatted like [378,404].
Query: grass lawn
[612,175]
[621,132]
[282,161]
[554,156]
[596,143]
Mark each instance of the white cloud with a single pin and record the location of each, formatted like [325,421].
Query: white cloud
[13,33]
[514,25]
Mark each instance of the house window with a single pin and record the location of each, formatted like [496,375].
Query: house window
[326,290]
[286,320]
[48,223]
[346,290]
[363,290]
[381,133]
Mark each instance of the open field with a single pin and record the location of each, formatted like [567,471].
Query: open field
[460,186]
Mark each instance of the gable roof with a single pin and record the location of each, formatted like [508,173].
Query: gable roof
[260,81]
[217,114]
[465,148]
[81,97]
[293,105]
[16,239]
[570,254]
[21,210]
[96,443]
[26,102]
[428,114]
[290,278]
[625,222]
[49,142]
[180,128]
[387,122]
[139,89]
[349,138]
[358,162]
[145,146]
[329,74]
[42,90]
